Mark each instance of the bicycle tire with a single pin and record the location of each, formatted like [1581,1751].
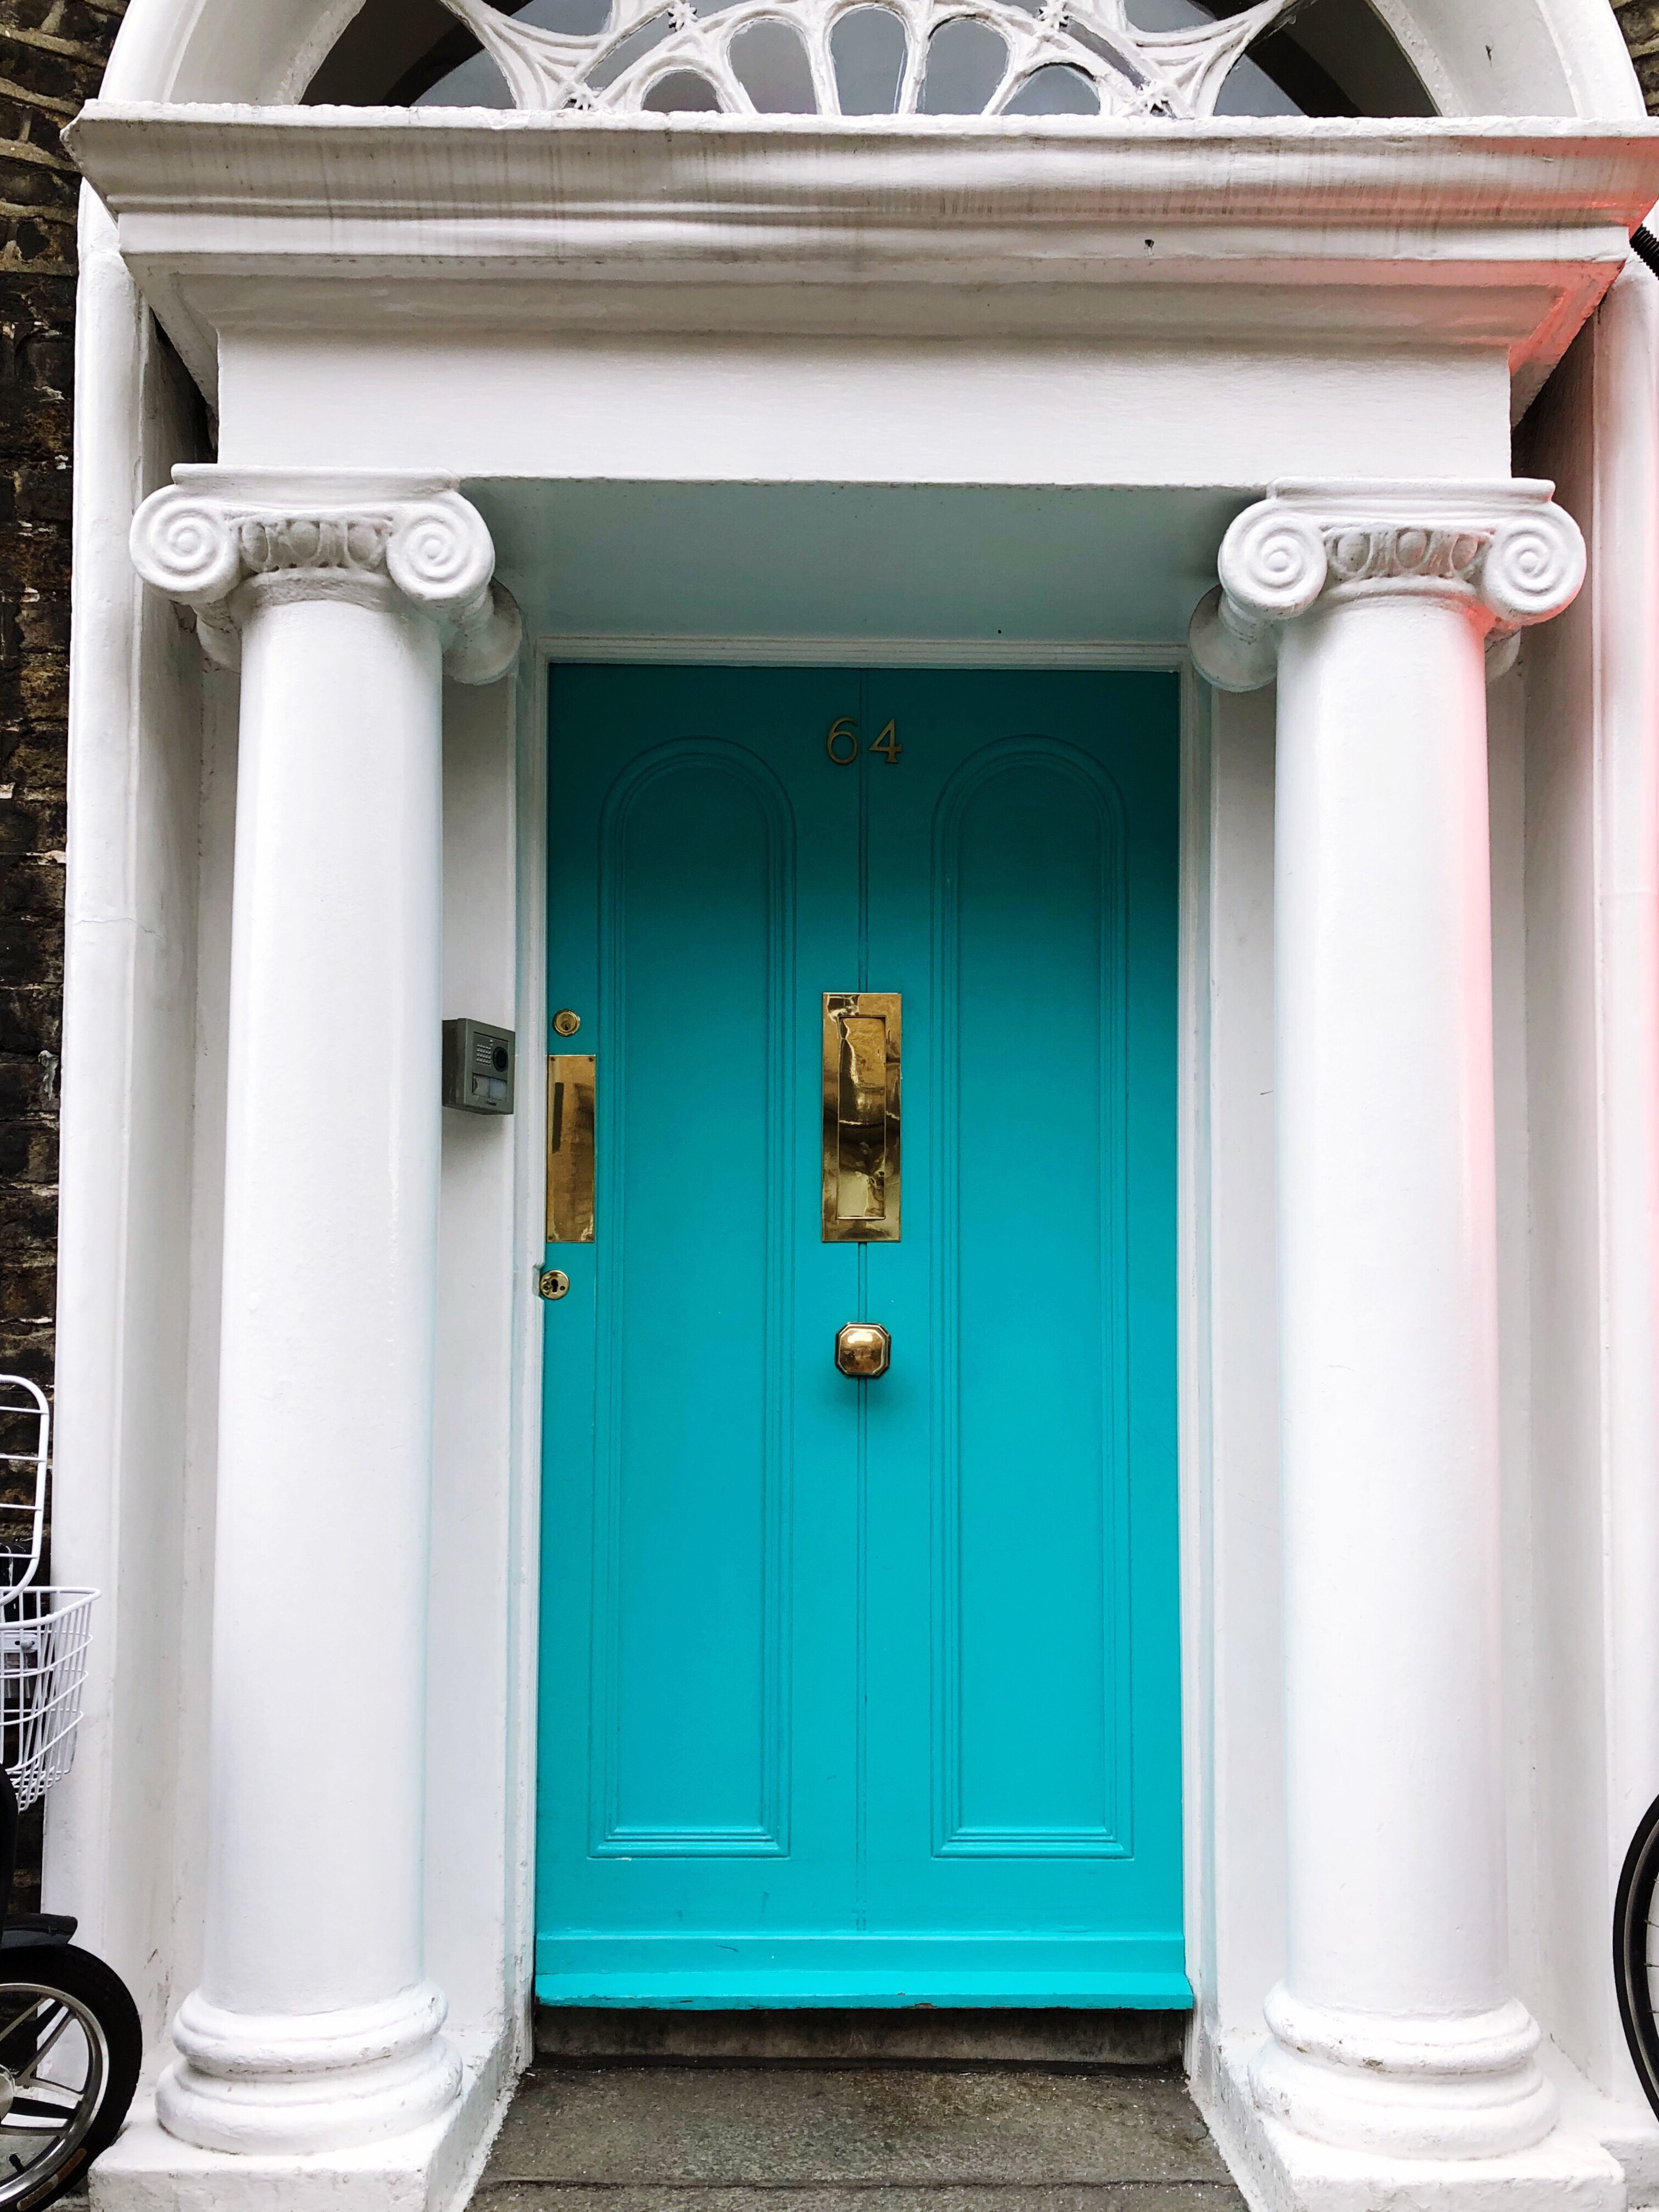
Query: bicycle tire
[1632,1934]
[92,1993]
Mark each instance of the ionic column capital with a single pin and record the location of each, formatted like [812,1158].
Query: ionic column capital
[219,540]
[1502,553]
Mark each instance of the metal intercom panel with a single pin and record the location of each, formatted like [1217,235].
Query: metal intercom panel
[479,1067]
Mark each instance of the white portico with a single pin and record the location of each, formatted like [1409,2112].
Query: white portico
[984,393]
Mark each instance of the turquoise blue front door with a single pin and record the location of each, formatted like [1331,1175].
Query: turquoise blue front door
[864,1691]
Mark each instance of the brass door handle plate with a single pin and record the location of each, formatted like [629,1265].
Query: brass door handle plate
[863,1350]
[861,1067]
[570,1116]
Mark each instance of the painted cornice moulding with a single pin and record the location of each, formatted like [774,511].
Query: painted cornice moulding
[467,163]
[1437,232]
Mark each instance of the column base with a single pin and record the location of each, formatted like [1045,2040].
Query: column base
[434,2169]
[290,2084]
[1279,2170]
[1457,2088]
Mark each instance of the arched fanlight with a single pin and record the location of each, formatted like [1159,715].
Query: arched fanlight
[1133,72]
[1178,58]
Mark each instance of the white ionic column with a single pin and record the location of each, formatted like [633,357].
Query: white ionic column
[314,2027]
[1394,2030]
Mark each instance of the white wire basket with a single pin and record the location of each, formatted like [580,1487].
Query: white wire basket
[44,1633]
[25,1450]
[44,1630]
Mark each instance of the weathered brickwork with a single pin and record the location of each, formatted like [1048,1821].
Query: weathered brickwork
[52,57]
[1639,21]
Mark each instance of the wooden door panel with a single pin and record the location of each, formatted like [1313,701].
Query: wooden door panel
[859,1692]
[1030,1351]
[696,897]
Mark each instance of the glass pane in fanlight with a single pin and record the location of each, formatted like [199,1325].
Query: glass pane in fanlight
[1331,57]
[576,19]
[1249,90]
[965,65]
[638,43]
[1122,85]
[477,82]
[682,92]
[771,65]
[868,47]
[1055,90]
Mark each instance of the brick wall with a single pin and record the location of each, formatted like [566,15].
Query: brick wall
[52,57]
[1639,21]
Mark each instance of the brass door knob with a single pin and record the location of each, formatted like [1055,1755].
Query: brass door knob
[863,1350]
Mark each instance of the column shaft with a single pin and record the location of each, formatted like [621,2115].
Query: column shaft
[1393,2031]
[329,1313]
[1388,1304]
[314,2027]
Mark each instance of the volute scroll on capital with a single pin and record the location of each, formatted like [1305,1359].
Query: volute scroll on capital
[206,539]
[1504,552]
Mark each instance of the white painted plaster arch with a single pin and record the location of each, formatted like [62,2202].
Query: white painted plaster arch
[1476,57]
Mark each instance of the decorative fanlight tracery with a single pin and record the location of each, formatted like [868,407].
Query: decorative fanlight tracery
[643,44]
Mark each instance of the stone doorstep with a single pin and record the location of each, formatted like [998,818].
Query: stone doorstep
[912,2035]
[524,2196]
[793,2136]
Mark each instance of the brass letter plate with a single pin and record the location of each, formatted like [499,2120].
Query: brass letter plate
[861,1046]
[570,1148]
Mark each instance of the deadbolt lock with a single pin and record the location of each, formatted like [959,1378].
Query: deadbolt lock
[553,1283]
[863,1350]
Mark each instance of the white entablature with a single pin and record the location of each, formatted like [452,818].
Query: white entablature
[1428,239]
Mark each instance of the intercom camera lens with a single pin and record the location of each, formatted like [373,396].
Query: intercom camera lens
[498,1059]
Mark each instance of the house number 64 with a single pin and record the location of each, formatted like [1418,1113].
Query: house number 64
[842,742]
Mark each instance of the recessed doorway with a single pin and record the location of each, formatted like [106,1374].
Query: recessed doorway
[856,1690]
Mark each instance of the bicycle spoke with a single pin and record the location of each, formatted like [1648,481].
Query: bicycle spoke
[57,2094]
[28,2117]
[45,2098]
[65,2019]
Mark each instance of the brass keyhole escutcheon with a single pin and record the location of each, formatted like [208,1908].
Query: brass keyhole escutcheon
[863,1350]
[553,1283]
[566,1022]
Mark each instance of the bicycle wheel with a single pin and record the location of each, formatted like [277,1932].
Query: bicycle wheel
[70,2050]
[1636,1950]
